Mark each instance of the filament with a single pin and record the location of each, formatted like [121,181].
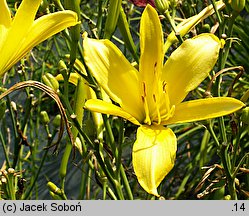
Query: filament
[157,110]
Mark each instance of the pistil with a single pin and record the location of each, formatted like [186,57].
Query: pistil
[146,108]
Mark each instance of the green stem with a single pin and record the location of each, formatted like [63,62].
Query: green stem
[100,16]
[126,183]
[212,133]
[113,181]
[29,190]
[216,11]
[78,110]
[5,150]
[173,26]
[120,142]
[246,156]
[235,149]
[228,45]
[11,186]
[223,149]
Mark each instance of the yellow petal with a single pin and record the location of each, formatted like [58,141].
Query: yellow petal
[115,74]
[47,26]
[5,18]
[151,59]
[185,26]
[97,117]
[100,106]
[153,155]
[25,15]
[25,33]
[189,65]
[5,21]
[16,34]
[202,109]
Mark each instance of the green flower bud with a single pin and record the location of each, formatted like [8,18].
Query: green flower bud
[54,196]
[44,117]
[245,116]
[52,187]
[162,5]
[50,81]
[237,5]
[205,28]
[112,18]
[57,121]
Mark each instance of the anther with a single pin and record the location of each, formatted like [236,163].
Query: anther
[164,86]
[166,96]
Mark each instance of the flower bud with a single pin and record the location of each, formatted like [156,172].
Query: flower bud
[52,187]
[54,196]
[162,5]
[57,121]
[13,105]
[112,18]
[205,28]
[50,81]
[237,5]
[78,145]
[11,171]
[3,179]
[44,117]
[245,116]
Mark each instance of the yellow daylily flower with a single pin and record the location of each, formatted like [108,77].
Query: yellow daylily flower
[153,96]
[20,34]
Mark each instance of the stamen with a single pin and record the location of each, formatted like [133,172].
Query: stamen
[166,96]
[169,114]
[146,108]
[157,110]
[172,111]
